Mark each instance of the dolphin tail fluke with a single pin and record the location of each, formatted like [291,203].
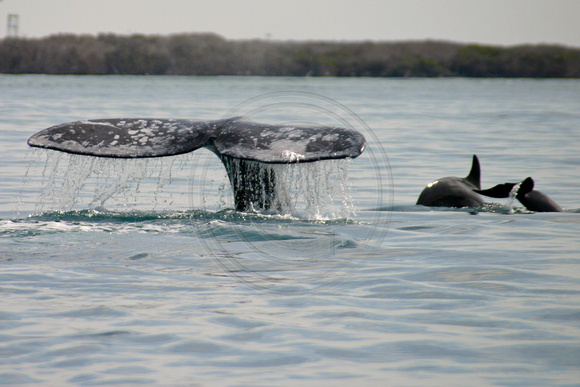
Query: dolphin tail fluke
[474,176]
[498,191]
[504,190]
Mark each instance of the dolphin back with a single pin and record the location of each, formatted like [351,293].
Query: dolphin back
[540,202]
[531,199]
[536,200]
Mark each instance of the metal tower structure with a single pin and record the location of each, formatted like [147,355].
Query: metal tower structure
[12,30]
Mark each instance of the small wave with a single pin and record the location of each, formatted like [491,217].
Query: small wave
[26,228]
[52,222]
[91,220]
[93,215]
[494,208]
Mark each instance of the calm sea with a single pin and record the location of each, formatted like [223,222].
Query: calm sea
[137,272]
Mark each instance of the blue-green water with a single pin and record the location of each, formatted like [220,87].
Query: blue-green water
[137,272]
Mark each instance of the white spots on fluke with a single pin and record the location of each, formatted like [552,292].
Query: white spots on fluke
[292,157]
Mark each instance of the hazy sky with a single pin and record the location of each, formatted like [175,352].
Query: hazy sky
[505,22]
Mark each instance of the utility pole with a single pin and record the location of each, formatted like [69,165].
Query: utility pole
[12,30]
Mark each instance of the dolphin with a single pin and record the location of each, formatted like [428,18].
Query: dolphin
[454,191]
[531,199]
[245,147]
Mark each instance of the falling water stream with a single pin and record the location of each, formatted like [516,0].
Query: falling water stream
[512,197]
[72,182]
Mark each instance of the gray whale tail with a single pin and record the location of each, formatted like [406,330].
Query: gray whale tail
[454,191]
[526,194]
[241,145]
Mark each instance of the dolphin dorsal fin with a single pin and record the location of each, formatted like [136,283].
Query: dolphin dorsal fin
[526,186]
[474,176]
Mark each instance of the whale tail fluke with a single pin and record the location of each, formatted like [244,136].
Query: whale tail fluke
[245,147]
[234,137]
[474,176]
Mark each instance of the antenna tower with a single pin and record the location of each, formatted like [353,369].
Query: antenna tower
[12,31]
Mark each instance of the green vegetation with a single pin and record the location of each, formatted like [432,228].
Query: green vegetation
[210,54]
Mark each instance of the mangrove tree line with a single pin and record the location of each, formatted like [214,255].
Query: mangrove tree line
[210,54]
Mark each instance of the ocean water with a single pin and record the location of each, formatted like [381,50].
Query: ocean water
[138,272]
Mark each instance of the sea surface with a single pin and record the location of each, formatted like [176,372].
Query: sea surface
[138,272]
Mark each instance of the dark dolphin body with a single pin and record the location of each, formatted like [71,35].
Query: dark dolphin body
[243,146]
[454,191]
[531,199]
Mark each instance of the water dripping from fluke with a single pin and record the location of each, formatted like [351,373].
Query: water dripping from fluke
[312,191]
[75,182]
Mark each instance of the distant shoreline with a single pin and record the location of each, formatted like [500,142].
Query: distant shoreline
[210,54]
